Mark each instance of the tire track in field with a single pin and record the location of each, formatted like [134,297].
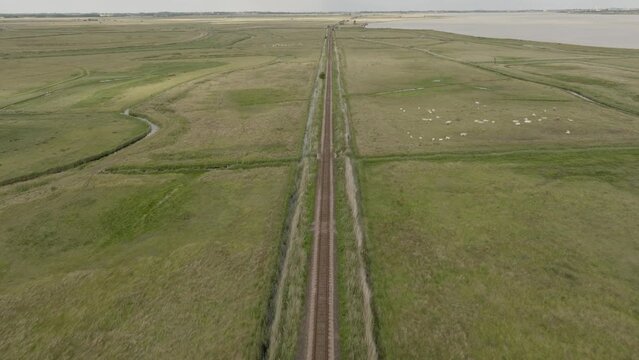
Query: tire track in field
[84,73]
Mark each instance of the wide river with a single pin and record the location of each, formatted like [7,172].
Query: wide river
[619,31]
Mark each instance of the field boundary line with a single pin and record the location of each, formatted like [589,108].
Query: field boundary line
[177,168]
[474,155]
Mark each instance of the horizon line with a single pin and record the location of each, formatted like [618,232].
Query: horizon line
[212,12]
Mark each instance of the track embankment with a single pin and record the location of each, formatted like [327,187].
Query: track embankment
[320,333]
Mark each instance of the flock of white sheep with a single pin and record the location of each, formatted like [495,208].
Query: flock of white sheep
[530,119]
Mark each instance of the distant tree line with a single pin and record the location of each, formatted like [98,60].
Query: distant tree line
[49,15]
[154,14]
[601,11]
[164,14]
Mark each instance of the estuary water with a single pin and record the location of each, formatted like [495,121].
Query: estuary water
[618,31]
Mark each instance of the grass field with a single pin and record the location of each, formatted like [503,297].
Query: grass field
[499,207]
[496,181]
[30,143]
[249,114]
[145,266]
[170,247]
[417,103]
[525,257]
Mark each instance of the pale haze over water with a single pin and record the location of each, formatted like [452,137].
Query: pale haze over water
[619,31]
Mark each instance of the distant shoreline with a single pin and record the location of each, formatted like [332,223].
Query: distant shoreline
[551,27]
[163,14]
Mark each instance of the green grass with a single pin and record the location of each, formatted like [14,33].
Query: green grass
[608,75]
[351,319]
[512,241]
[525,258]
[251,114]
[147,74]
[391,90]
[36,143]
[509,242]
[147,267]
[248,97]
[170,247]
[289,301]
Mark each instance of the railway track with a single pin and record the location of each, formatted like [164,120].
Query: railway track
[320,342]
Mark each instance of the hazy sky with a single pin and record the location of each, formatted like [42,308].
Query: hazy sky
[10,6]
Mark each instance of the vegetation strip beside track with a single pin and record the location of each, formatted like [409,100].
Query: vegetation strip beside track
[286,303]
[353,195]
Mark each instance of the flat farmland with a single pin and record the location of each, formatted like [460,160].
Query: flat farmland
[249,114]
[498,186]
[522,257]
[161,266]
[170,246]
[32,143]
[406,101]
[158,189]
